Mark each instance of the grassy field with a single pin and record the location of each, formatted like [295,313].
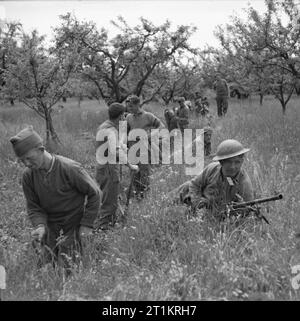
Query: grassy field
[162,254]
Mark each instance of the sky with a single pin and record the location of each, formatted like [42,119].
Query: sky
[204,14]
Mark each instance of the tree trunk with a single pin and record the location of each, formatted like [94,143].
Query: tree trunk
[79,100]
[283,105]
[52,139]
[261,98]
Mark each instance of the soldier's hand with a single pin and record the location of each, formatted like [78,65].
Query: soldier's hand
[39,233]
[200,203]
[239,198]
[85,231]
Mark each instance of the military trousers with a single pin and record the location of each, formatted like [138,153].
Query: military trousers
[61,245]
[108,178]
[222,105]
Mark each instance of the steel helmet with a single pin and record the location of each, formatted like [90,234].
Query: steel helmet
[229,148]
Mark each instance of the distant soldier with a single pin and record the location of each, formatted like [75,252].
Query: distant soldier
[205,103]
[222,93]
[207,140]
[127,101]
[201,105]
[138,118]
[62,199]
[108,174]
[172,124]
[220,182]
[182,114]
[170,118]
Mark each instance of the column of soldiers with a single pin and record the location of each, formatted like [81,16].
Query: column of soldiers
[63,200]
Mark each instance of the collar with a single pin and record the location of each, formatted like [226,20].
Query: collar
[234,179]
[52,164]
[112,124]
[140,111]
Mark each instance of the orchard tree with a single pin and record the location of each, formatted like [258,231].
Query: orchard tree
[38,79]
[179,77]
[9,35]
[210,62]
[80,87]
[122,65]
[267,44]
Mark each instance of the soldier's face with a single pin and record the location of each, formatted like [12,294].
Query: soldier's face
[231,166]
[121,117]
[33,159]
[133,108]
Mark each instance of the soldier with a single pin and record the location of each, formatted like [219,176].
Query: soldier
[207,140]
[170,119]
[205,104]
[222,93]
[108,174]
[198,102]
[62,199]
[220,182]
[182,114]
[127,101]
[139,118]
[201,105]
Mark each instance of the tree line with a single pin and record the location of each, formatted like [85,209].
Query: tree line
[260,54]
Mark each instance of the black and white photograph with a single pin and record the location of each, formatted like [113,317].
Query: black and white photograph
[150,153]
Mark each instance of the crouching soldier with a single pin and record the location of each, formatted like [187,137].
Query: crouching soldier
[220,182]
[62,199]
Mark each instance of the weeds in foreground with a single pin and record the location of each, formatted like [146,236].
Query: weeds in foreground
[162,253]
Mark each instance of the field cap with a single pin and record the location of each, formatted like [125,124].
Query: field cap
[25,140]
[115,110]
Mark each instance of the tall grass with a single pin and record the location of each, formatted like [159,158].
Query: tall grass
[163,254]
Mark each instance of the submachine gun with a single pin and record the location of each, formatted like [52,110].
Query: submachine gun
[246,208]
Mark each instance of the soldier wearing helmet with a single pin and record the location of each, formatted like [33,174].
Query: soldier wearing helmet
[182,114]
[221,182]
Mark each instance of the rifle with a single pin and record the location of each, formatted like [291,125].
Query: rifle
[234,209]
[128,195]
